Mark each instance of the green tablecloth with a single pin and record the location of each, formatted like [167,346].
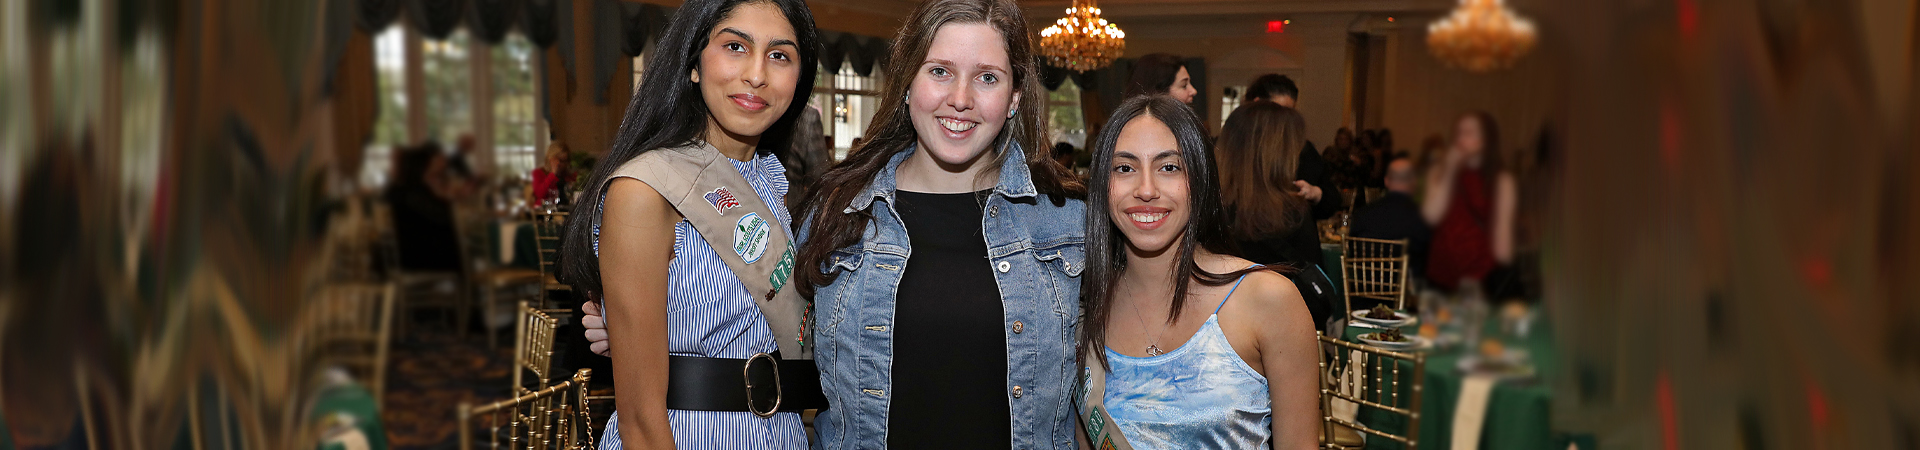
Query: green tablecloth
[357,405]
[1330,261]
[526,251]
[1518,411]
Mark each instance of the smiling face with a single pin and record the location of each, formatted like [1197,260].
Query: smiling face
[748,70]
[961,96]
[1147,188]
[1182,88]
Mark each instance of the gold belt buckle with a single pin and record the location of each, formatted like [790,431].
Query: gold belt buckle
[746,373]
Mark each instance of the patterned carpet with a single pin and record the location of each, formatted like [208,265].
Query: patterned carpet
[432,371]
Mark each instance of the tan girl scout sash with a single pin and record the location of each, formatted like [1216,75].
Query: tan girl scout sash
[1102,434]
[723,208]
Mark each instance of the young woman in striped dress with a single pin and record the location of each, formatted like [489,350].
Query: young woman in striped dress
[728,76]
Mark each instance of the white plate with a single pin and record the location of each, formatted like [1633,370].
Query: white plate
[1400,319]
[1414,342]
[1499,367]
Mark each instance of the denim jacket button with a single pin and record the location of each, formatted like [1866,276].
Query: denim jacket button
[1017,326]
[1016,392]
[993,211]
[1003,267]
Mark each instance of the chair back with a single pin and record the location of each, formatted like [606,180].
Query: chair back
[532,347]
[1374,269]
[552,418]
[1373,378]
[351,325]
[547,230]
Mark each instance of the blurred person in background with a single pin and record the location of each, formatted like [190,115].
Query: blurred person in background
[810,156]
[460,176]
[1269,217]
[1396,215]
[1372,159]
[1063,153]
[1470,202]
[1161,73]
[552,179]
[1272,87]
[1339,158]
[1312,174]
[422,209]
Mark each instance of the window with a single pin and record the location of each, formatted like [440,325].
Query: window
[847,102]
[1068,124]
[1230,101]
[446,76]
[515,107]
[390,126]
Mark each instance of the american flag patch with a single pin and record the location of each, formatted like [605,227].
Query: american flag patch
[722,200]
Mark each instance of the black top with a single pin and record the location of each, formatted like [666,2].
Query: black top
[949,347]
[1300,249]
[1315,170]
[1396,216]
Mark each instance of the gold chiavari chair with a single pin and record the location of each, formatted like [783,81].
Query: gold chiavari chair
[350,325]
[1374,269]
[532,347]
[552,418]
[1388,381]
[547,230]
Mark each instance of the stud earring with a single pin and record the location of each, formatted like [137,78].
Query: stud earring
[1012,112]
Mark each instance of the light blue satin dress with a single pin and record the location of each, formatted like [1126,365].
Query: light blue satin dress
[1198,396]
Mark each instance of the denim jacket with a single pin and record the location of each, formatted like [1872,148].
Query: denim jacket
[1037,252]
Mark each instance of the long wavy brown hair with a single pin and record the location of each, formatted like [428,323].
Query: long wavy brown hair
[1259,151]
[892,130]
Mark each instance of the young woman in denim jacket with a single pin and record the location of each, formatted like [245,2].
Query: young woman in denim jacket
[946,250]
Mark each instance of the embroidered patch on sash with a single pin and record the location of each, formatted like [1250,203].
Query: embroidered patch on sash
[1096,422]
[750,235]
[722,200]
[782,270]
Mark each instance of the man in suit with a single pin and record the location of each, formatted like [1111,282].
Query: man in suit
[1396,215]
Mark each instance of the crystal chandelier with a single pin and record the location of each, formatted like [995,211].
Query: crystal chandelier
[1480,36]
[1082,40]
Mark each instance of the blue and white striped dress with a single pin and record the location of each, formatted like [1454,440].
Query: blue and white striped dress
[710,314]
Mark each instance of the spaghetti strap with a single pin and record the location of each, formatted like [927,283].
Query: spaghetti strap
[1236,286]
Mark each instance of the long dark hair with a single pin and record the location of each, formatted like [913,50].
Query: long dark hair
[892,130]
[1107,247]
[1259,149]
[1153,74]
[672,113]
[1493,158]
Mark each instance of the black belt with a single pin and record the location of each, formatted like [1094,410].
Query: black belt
[763,384]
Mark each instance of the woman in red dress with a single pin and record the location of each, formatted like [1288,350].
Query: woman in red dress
[1470,201]
[552,178]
